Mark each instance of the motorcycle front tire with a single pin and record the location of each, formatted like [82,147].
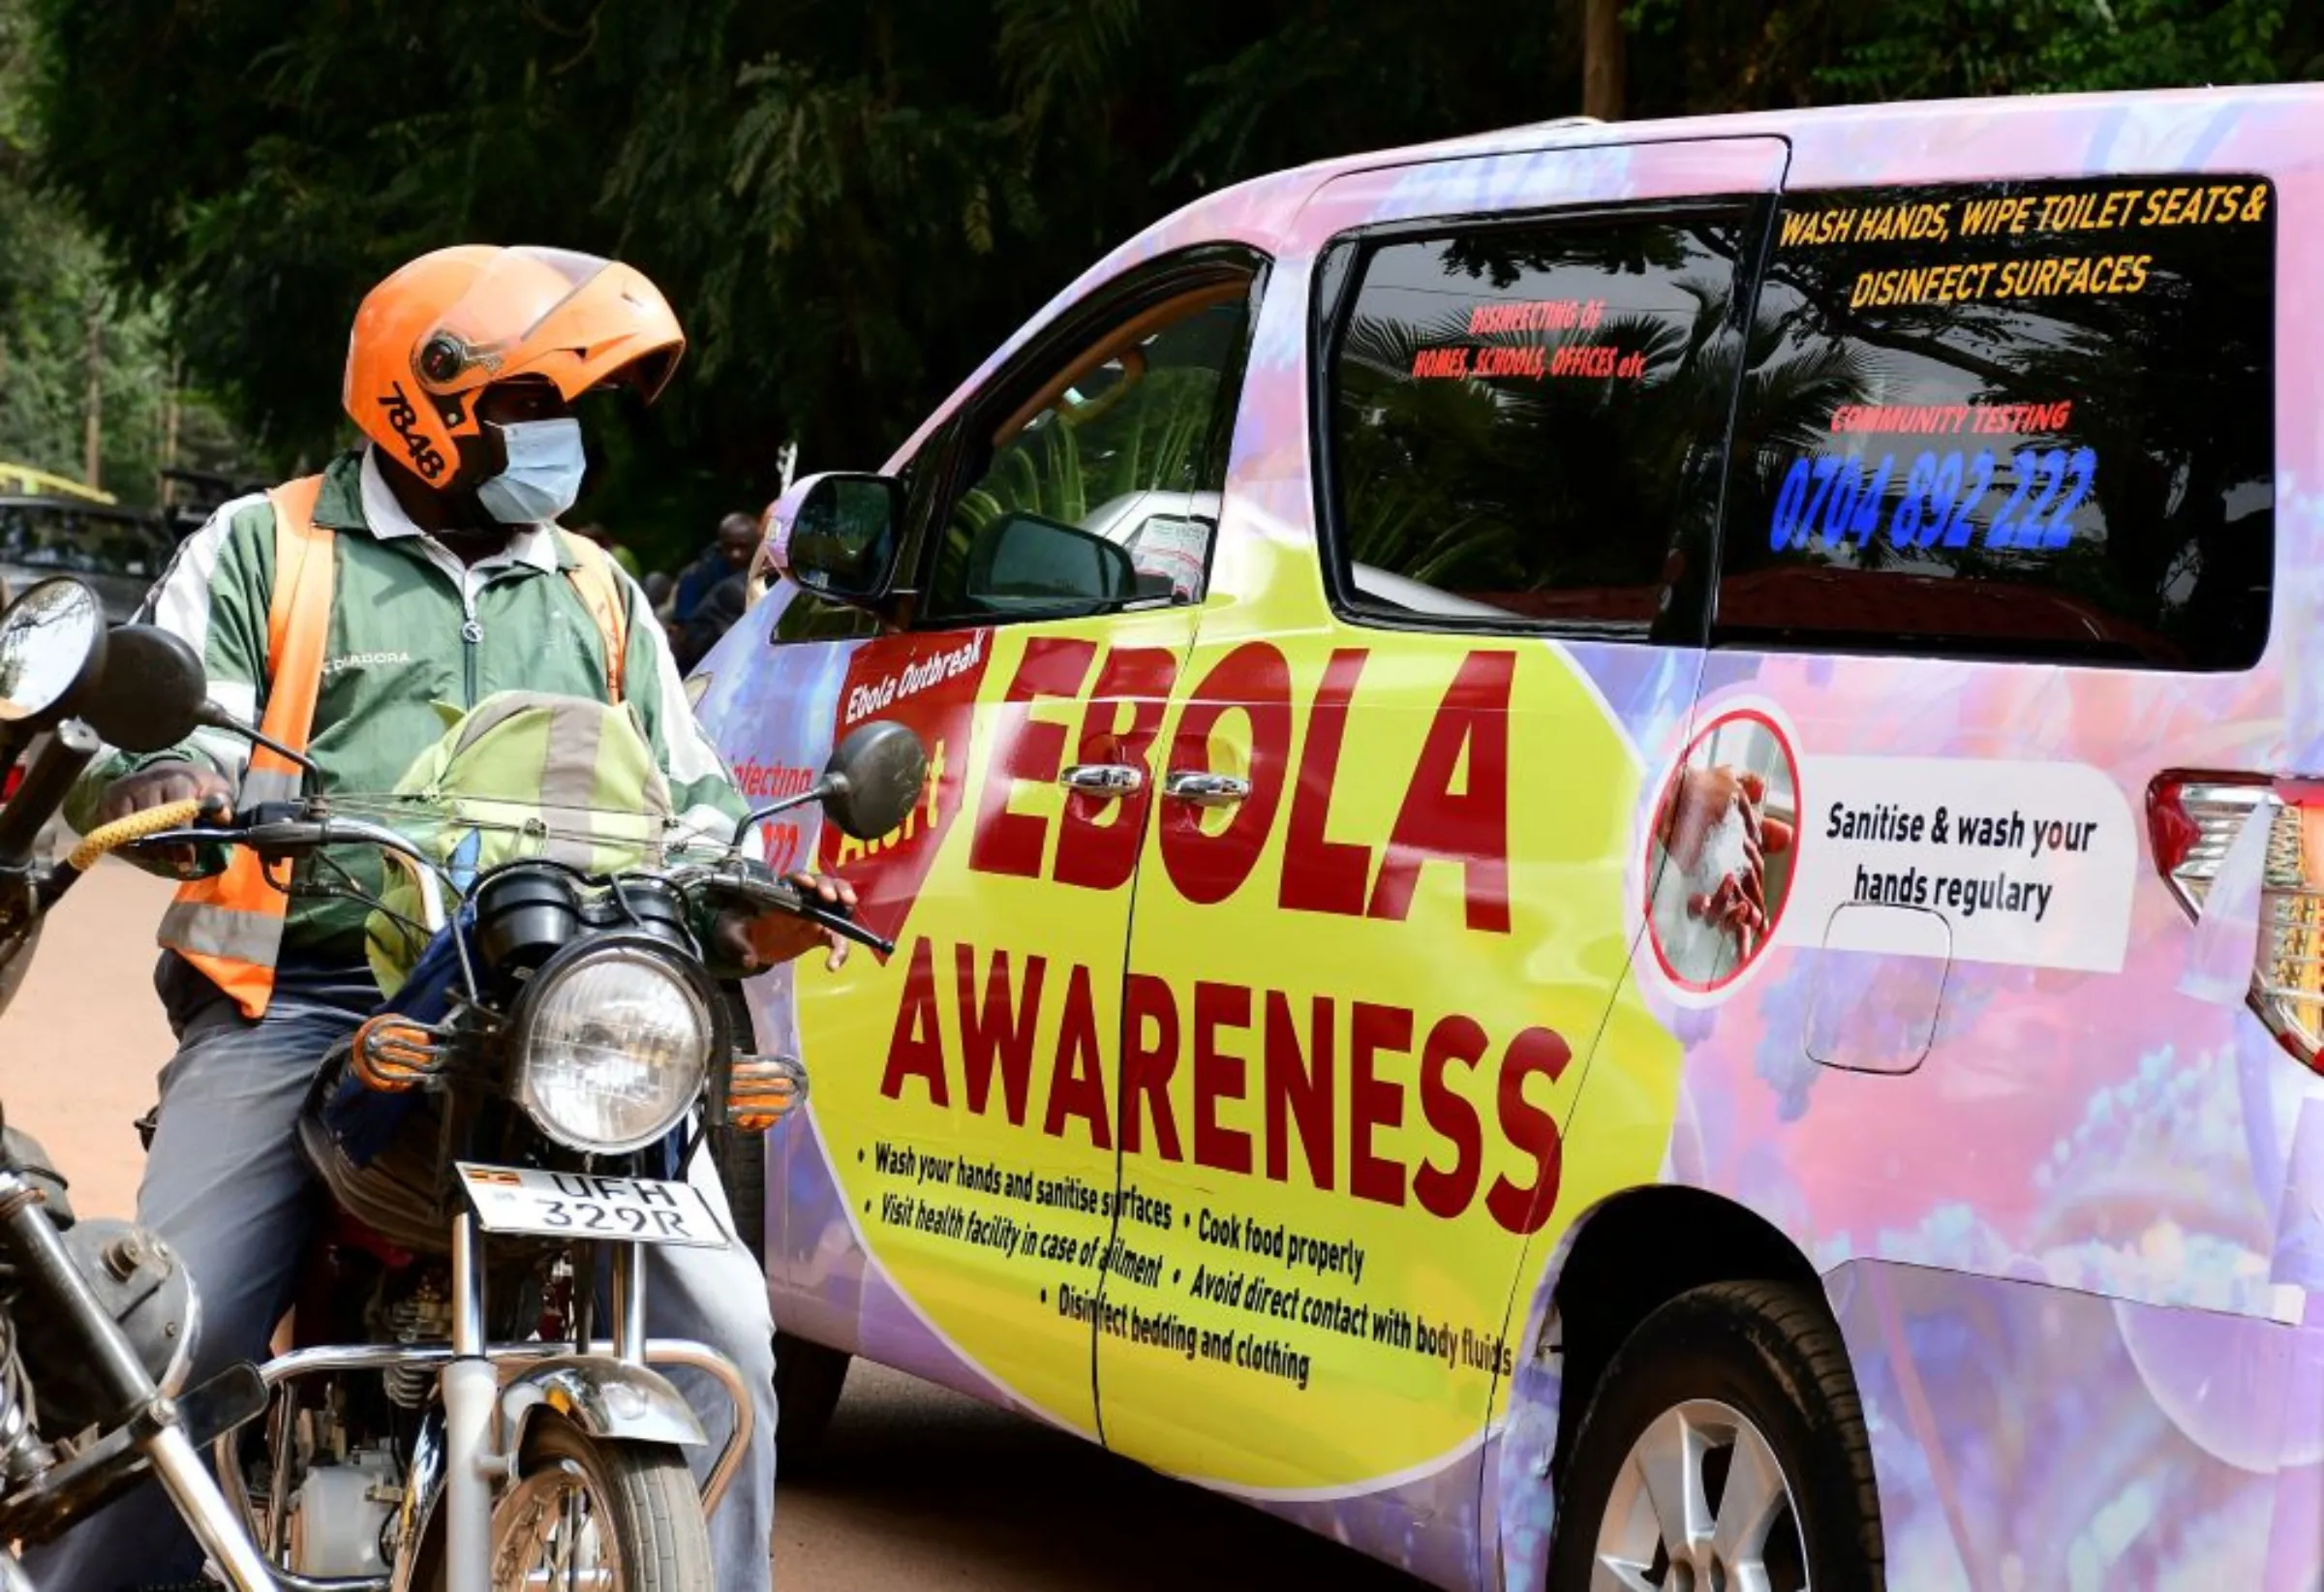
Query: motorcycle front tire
[643,1492]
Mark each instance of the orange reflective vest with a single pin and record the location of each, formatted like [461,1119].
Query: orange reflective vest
[230,924]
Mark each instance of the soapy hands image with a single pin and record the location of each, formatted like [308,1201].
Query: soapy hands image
[1714,825]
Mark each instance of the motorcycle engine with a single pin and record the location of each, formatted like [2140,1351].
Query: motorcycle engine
[342,1514]
[140,1284]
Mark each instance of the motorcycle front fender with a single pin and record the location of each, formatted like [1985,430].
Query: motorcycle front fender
[603,1396]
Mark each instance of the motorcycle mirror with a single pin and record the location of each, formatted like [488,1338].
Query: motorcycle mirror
[52,649]
[152,692]
[874,780]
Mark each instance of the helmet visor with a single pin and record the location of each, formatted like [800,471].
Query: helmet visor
[571,318]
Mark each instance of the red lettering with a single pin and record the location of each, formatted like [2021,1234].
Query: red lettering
[1298,1089]
[1218,1076]
[1145,1068]
[1252,680]
[1097,840]
[1529,1128]
[1471,827]
[1025,748]
[1373,1101]
[1322,875]
[994,1033]
[916,1047]
[778,845]
[1078,1085]
[1443,1193]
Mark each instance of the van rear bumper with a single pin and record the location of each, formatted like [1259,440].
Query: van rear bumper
[2027,1436]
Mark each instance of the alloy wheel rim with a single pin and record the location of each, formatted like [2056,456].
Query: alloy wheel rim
[1702,1504]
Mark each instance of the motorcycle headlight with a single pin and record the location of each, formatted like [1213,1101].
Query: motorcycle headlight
[614,1050]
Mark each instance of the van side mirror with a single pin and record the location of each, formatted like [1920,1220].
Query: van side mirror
[1023,563]
[837,536]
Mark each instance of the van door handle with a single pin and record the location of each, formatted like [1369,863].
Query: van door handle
[1107,781]
[1205,790]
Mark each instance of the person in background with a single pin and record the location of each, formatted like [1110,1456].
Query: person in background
[727,555]
[712,617]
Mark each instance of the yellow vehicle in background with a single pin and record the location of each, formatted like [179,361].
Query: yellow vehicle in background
[23,480]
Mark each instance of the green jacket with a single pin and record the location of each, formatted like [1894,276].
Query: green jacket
[410,629]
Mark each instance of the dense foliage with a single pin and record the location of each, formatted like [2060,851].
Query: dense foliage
[55,291]
[852,200]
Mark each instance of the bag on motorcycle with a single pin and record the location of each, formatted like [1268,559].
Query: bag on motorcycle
[524,774]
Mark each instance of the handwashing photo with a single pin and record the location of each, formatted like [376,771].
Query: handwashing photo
[1720,858]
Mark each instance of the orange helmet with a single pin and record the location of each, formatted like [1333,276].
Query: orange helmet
[457,321]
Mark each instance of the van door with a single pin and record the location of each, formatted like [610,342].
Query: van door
[1383,920]
[962,1085]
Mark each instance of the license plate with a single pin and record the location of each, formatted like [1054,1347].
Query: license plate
[587,1205]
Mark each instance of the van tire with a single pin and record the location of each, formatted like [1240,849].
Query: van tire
[809,1377]
[1770,1354]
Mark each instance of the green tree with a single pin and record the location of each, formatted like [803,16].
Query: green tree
[55,281]
[854,201]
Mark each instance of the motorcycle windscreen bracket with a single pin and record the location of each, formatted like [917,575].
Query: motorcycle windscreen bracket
[590,1206]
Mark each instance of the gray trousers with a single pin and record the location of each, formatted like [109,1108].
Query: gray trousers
[226,1185]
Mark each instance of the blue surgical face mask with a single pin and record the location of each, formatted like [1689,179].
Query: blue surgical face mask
[543,478]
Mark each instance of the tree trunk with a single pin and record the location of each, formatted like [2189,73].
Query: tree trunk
[1602,66]
[168,488]
[92,444]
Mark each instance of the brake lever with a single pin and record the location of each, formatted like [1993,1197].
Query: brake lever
[842,922]
[774,893]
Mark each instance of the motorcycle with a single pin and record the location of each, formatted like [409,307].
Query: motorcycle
[449,1413]
[98,1321]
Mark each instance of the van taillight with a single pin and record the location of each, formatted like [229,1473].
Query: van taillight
[8,787]
[2192,819]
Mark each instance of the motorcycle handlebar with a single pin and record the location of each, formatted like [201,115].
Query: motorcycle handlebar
[276,833]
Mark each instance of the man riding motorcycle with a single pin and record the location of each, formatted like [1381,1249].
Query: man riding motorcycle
[428,570]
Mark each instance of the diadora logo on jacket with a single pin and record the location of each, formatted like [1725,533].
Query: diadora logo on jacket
[363,661]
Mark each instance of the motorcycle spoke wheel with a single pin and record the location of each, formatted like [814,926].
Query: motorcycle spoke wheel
[549,1533]
[585,1514]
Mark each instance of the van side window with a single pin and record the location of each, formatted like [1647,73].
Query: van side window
[2025,420]
[1101,488]
[1516,414]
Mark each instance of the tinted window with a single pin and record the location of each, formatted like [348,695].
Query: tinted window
[1516,414]
[2030,420]
[1105,486]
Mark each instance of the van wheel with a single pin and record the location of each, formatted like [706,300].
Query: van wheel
[808,1377]
[1724,1449]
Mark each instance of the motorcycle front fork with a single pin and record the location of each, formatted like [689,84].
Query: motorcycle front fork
[471,1391]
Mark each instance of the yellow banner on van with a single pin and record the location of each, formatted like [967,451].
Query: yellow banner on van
[1286,1169]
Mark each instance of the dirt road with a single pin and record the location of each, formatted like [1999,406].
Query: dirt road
[920,1488]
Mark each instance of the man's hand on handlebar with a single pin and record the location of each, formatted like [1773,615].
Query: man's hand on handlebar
[158,787]
[767,939]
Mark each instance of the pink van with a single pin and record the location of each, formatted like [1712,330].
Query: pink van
[1617,888]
